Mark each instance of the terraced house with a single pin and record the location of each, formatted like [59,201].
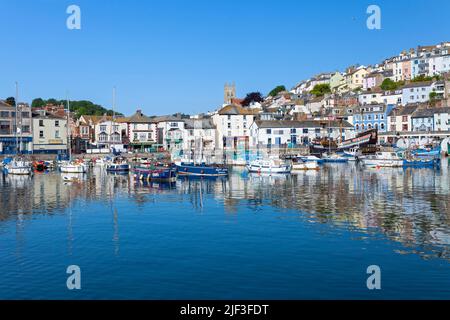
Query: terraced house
[373,116]
[12,123]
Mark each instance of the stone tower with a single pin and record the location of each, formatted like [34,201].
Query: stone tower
[229,93]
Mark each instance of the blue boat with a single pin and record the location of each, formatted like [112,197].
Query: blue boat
[118,165]
[436,152]
[167,174]
[421,163]
[201,170]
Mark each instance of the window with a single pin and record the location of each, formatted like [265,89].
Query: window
[405,119]
[4,114]
[229,117]
[293,130]
[382,126]
[56,123]
[103,128]
[26,129]
[269,131]
[25,114]
[57,134]
[41,123]
[135,137]
[229,125]
[41,134]
[404,127]
[305,131]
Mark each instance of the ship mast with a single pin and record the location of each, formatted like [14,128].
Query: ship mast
[69,135]
[15,119]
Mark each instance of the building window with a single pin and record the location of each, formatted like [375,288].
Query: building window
[4,114]
[41,134]
[102,128]
[229,125]
[56,123]
[41,123]
[57,134]
[293,130]
[405,119]
[269,131]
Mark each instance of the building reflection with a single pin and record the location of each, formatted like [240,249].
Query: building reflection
[409,206]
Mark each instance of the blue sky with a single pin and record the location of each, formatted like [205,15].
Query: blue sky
[169,56]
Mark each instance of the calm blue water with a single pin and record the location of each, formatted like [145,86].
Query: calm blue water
[306,236]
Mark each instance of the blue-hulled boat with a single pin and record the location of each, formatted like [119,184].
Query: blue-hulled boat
[201,170]
[422,163]
[436,152]
[118,165]
[166,174]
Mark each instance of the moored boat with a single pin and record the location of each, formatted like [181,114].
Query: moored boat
[299,164]
[18,166]
[201,170]
[334,158]
[382,159]
[311,158]
[269,166]
[73,167]
[118,165]
[156,173]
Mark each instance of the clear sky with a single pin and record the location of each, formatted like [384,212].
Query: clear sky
[169,56]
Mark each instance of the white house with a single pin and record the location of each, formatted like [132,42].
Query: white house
[370,97]
[416,92]
[141,131]
[49,133]
[232,124]
[199,134]
[108,135]
[392,97]
[442,119]
[399,119]
[279,133]
[170,132]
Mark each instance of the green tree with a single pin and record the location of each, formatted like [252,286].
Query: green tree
[277,90]
[37,103]
[433,96]
[388,85]
[320,90]
[11,101]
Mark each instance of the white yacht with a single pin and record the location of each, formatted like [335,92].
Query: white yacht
[383,159]
[299,164]
[19,166]
[73,167]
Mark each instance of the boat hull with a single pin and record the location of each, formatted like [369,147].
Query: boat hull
[201,171]
[305,166]
[273,170]
[118,167]
[73,168]
[383,163]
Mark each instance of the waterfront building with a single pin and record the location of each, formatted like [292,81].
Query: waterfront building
[49,133]
[284,133]
[10,142]
[232,123]
[423,120]
[108,135]
[199,134]
[399,119]
[141,132]
[441,119]
[170,132]
[372,116]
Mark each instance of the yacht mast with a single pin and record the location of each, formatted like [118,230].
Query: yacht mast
[15,120]
[69,135]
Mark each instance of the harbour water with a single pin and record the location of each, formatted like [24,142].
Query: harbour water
[311,235]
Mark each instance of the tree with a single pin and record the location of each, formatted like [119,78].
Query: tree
[37,103]
[252,97]
[277,90]
[11,101]
[388,85]
[320,90]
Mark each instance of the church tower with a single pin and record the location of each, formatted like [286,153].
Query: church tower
[229,93]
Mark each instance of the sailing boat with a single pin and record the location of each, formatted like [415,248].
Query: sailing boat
[71,166]
[117,164]
[18,165]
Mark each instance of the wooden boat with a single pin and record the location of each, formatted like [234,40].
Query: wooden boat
[269,166]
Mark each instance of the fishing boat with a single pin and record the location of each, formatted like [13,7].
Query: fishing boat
[201,169]
[269,166]
[427,152]
[334,158]
[156,173]
[299,164]
[422,163]
[118,165]
[382,159]
[40,166]
[351,154]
